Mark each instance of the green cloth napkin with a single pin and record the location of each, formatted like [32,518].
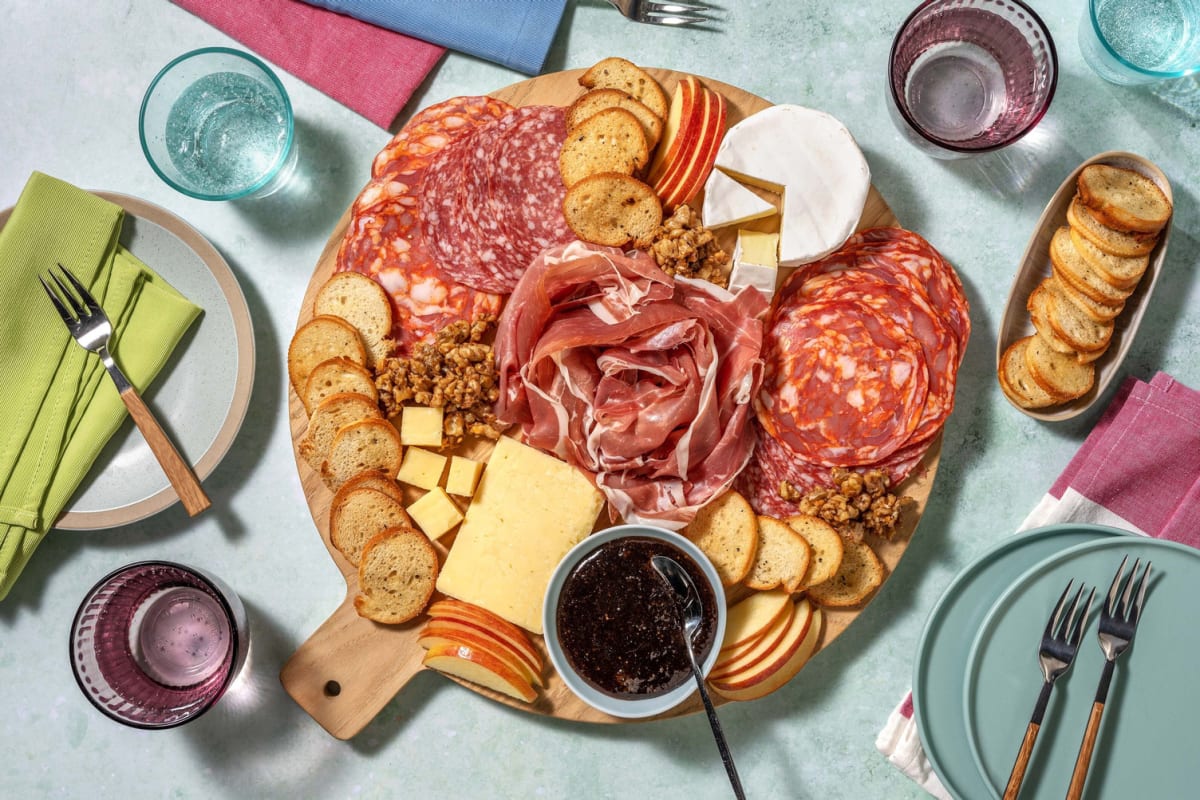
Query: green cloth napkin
[60,406]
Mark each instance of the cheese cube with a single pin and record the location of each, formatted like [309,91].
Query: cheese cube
[464,474]
[435,513]
[421,468]
[755,262]
[421,426]
[528,511]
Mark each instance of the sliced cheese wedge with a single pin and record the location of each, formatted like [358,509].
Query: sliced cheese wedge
[755,262]
[813,161]
[727,202]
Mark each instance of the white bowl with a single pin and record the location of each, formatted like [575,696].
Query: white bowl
[633,707]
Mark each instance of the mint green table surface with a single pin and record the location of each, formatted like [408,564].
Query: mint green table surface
[74,74]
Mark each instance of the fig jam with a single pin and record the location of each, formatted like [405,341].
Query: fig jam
[620,623]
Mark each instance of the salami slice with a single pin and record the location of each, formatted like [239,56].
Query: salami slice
[448,120]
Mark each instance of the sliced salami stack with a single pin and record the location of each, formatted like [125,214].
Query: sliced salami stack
[861,360]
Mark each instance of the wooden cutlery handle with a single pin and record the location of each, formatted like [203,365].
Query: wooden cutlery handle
[1022,763]
[179,473]
[1079,776]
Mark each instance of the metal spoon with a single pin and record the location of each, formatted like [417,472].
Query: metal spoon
[693,612]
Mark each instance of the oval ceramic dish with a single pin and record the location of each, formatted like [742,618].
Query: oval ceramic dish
[1035,265]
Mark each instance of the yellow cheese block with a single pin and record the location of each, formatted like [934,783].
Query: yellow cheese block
[421,426]
[464,475]
[435,513]
[528,511]
[421,468]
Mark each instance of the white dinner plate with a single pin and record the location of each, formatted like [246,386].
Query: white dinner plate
[202,393]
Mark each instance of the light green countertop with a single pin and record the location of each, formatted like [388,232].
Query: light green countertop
[75,73]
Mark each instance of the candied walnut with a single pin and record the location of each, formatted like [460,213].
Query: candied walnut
[855,504]
[455,372]
[683,246]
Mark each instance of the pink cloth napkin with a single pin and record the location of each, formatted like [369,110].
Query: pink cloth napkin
[1139,470]
[370,70]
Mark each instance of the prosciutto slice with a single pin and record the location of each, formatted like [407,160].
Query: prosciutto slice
[642,380]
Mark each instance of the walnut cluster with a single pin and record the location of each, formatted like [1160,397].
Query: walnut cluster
[683,246]
[455,372]
[858,503]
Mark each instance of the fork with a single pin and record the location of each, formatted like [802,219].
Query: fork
[1118,621]
[666,13]
[90,327]
[1060,641]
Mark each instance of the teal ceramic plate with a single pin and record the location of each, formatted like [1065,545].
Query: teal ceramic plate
[1147,737]
[939,675]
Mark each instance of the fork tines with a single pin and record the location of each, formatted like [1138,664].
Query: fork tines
[675,13]
[1125,610]
[71,305]
[1073,625]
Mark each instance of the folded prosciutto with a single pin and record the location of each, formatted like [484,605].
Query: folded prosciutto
[643,380]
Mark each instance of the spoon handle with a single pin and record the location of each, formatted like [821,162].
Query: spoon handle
[719,735]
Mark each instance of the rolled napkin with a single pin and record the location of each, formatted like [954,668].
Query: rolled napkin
[368,69]
[60,406]
[515,33]
[1138,470]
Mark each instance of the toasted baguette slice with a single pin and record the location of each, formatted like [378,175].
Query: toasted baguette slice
[396,577]
[1123,198]
[859,575]
[1114,242]
[612,209]
[1100,312]
[360,515]
[727,531]
[590,103]
[335,375]
[1016,381]
[1071,325]
[321,338]
[1070,267]
[371,479]
[330,416]
[1058,373]
[372,444]
[826,545]
[1038,306]
[1119,271]
[608,141]
[618,73]
[781,558]
[362,302]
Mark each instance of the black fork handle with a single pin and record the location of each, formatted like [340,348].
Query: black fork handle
[1090,734]
[1017,776]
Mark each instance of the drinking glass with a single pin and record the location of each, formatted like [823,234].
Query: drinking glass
[970,76]
[216,124]
[1141,41]
[156,644]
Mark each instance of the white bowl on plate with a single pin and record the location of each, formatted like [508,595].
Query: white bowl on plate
[632,707]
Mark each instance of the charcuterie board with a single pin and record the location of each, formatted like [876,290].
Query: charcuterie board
[350,667]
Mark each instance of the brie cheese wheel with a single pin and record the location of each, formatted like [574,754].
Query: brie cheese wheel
[813,161]
[727,202]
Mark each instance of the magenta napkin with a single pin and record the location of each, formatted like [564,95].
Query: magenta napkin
[368,69]
[1138,470]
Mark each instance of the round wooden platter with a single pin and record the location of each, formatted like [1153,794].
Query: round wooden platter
[350,667]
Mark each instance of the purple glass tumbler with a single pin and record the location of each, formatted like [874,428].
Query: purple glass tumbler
[155,644]
[970,76]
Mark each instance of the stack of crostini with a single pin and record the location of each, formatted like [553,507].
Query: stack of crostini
[1097,260]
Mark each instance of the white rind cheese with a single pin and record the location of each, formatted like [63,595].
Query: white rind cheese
[755,262]
[727,202]
[528,511]
[814,162]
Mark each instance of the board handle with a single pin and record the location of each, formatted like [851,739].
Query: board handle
[350,668]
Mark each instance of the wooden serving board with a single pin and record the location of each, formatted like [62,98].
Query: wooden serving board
[350,667]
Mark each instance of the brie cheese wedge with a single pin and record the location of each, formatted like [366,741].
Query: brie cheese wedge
[727,202]
[755,263]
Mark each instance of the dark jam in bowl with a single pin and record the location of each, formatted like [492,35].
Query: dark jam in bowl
[620,624]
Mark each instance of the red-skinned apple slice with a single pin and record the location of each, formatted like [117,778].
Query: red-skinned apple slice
[797,630]
[678,127]
[688,141]
[764,678]
[480,667]
[441,630]
[746,657]
[480,617]
[682,184]
[750,618]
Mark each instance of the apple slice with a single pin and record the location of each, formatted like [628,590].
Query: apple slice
[480,667]
[440,631]
[480,617]
[755,650]
[690,176]
[681,116]
[767,676]
[750,618]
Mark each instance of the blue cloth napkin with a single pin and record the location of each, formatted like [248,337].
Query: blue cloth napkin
[514,33]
